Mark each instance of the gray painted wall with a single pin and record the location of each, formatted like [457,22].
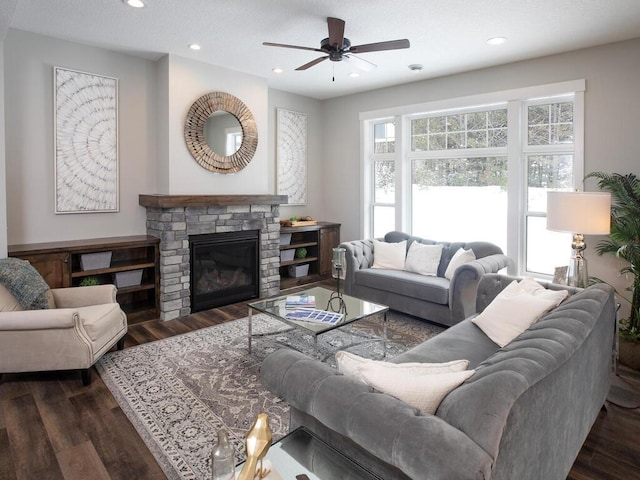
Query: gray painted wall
[29,61]
[3,176]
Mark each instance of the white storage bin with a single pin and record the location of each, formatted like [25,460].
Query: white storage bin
[298,270]
[285,238]
[128,279]
[287,255]
[95,261]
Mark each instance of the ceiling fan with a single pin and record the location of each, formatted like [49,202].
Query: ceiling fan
[337,47]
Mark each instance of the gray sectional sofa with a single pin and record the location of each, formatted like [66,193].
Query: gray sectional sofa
[523,415]
[437,299]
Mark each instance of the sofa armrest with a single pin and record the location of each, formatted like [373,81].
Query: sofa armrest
[464,284]
[38,319]
[358,255]
[84,296]
[384,426]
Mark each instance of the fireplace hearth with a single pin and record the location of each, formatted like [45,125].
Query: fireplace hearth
[224,268]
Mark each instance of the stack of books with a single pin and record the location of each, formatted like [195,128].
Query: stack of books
[297,301]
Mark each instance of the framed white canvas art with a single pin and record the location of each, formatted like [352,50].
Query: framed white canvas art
[86,142]
[292,156]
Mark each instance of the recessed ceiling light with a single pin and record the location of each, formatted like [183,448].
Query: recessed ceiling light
[134,3]
[416,67]
[354,74]
[194,46]
[497,40]
[276,70]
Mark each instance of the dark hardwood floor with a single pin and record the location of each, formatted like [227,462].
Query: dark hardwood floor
[51,427]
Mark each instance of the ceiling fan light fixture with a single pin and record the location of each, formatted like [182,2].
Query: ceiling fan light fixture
[134,3]
[354,74]
[496,40]
[416,67]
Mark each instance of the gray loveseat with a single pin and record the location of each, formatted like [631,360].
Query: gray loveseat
[433,298]
[523,415]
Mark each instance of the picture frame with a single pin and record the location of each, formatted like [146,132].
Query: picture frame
[292,156]
[560,275]
[86,167]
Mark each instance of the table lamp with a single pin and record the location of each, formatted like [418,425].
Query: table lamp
[580,213]
[338,271]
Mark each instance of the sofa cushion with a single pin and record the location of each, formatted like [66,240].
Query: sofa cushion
[513,311]
[431,289]
[350,364]
[463,340]
[461,257]
[389,255]
[25,283]
[423,390]
[423,259]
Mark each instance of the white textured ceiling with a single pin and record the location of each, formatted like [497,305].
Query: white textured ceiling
[447,36]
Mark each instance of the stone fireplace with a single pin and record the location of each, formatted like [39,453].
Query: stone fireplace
[174,218]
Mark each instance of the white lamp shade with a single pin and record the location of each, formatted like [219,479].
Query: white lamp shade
[588,213]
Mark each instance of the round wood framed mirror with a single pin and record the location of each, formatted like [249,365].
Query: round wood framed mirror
[202,110]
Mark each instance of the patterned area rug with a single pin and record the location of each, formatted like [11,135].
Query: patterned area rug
[178,392]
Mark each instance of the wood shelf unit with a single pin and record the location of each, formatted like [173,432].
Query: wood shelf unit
[59,264]
[319,240]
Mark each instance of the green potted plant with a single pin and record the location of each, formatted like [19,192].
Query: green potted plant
[624,243]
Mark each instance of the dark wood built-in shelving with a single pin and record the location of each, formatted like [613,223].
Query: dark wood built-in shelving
[59,264]
[319,240]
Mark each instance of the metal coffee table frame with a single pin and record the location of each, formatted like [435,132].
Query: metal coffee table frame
[357,309]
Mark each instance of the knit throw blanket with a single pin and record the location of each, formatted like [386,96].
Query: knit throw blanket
[25,283]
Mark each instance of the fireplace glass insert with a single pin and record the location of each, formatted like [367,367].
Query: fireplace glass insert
[224,268]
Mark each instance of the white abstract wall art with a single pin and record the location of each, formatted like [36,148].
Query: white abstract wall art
[86,142]
[292,156]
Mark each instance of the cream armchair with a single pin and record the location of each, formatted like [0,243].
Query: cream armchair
[85,323]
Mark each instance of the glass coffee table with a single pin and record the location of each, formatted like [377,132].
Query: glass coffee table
[302,455]
[356,309]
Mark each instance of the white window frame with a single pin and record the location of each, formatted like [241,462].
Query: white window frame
[516,101]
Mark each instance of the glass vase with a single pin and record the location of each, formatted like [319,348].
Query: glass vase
[223,462]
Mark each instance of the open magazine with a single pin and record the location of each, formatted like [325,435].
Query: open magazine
[314,315]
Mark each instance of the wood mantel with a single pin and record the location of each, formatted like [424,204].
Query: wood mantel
[173,201]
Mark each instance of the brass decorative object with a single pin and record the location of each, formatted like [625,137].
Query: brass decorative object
[257,445]
[194,136]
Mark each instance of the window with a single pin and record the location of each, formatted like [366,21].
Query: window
[549,161]
[478,169]
[383,179]
[459,160]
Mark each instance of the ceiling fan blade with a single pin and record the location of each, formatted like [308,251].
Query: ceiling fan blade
[336,31]
[312,63]
[359,63]
[379,46]
[284,45]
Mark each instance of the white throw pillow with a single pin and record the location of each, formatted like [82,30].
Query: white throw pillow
[461,257]
[529,285]
[389,255]
[511,313]
[424,391]
[423,259]
[349,364]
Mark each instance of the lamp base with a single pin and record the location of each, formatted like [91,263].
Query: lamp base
[577,275]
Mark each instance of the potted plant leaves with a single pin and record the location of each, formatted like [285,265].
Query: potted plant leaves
[624,243]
